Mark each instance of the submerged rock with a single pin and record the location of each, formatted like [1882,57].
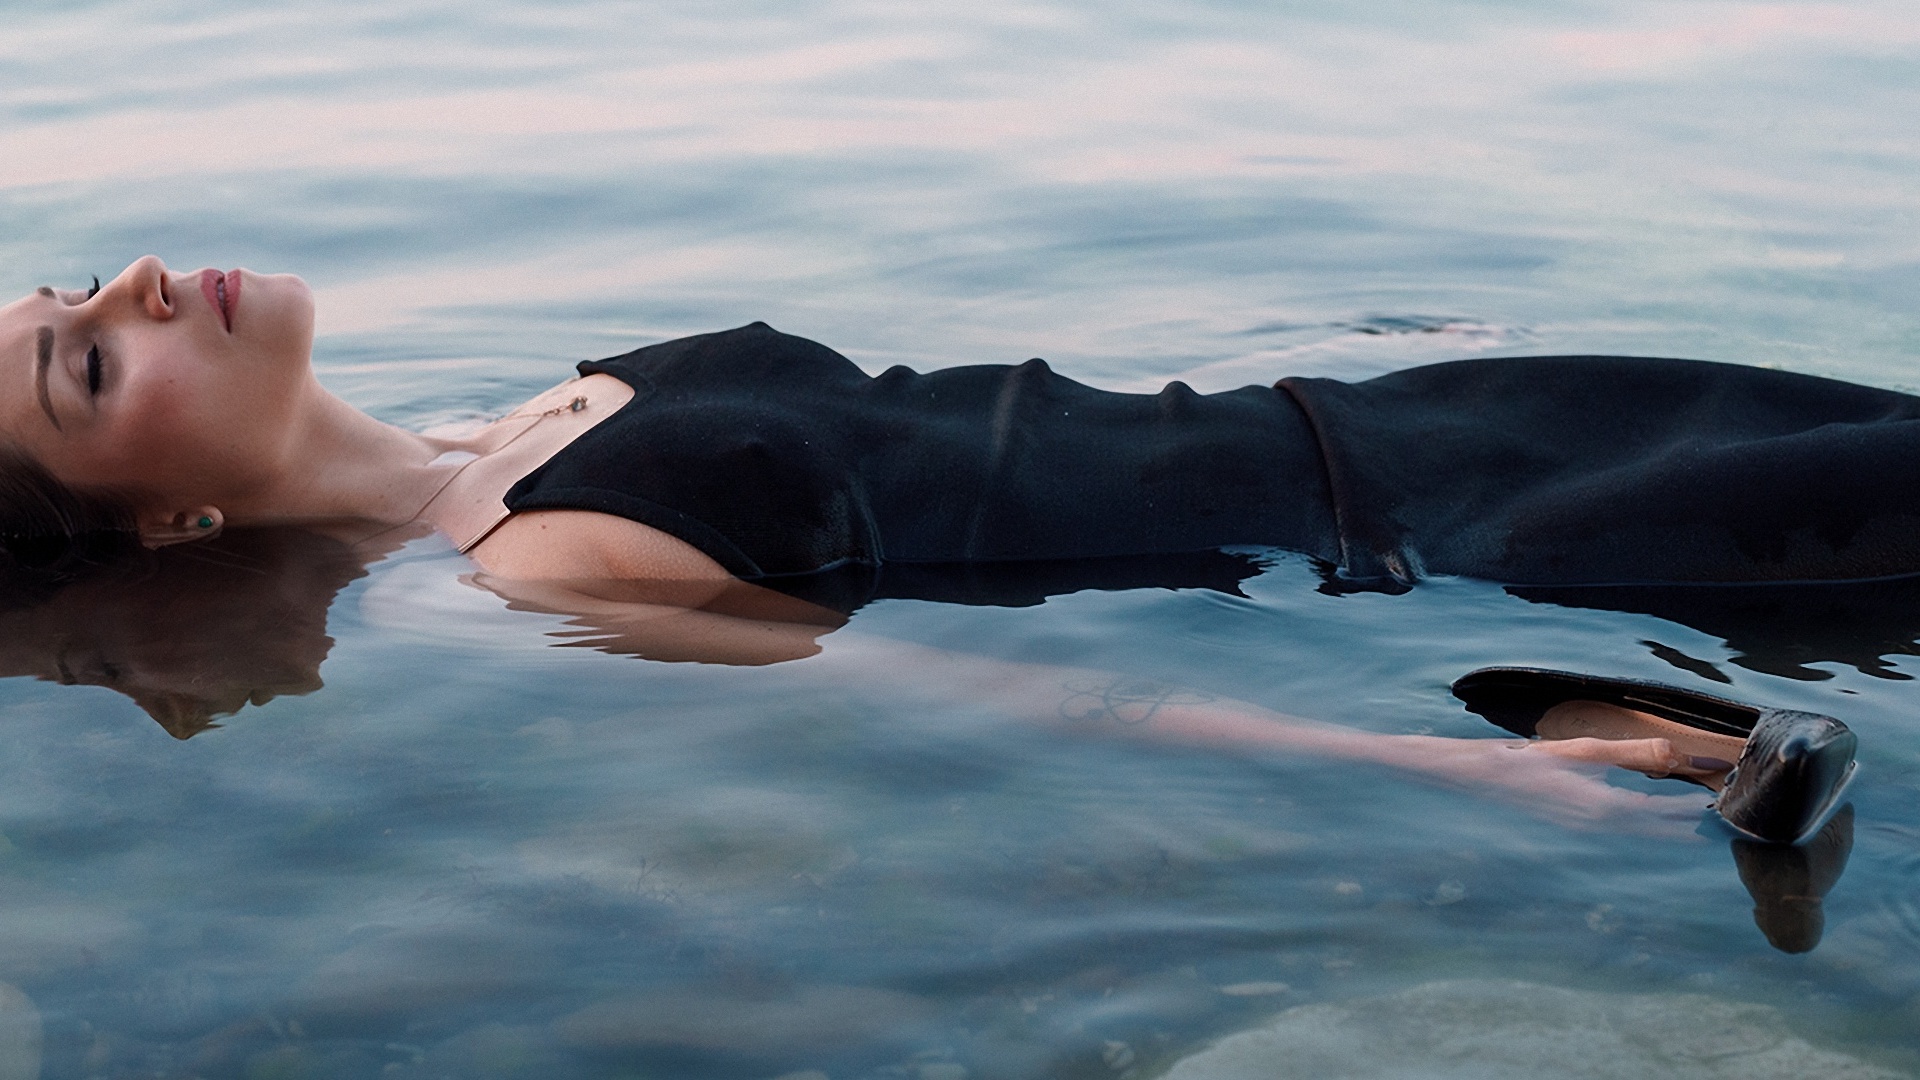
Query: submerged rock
[390,978]
[803,1018]
[494,1051]
[1489,1030]
[19,1035]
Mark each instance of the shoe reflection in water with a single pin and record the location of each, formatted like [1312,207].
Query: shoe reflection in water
[1788,882]
[189,632]
[1793,767]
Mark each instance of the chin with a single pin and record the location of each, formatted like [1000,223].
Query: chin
[282,315]
[283,288]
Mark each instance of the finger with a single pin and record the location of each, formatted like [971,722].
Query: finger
[1641,755]
[1597,805]
[1655,757]
[1578,798]
[1576,719]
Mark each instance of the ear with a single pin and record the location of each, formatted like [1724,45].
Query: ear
[195,523]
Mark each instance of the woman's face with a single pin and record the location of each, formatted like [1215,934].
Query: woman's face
[175,388]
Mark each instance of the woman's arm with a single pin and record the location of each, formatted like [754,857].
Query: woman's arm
[1562,780]
[638,591]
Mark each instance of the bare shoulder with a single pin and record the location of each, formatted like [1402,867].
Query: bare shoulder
[580,545]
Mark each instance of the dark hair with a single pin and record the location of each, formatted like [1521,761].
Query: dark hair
[48,528]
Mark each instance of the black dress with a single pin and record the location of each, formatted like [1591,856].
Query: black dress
[788,465]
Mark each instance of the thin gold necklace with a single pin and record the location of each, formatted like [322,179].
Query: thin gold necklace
[578,404]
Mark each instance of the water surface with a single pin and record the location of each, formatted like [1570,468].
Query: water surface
[474,853]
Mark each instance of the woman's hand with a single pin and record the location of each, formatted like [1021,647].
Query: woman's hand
[1564,780]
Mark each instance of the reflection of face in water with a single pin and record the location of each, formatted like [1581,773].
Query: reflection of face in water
[189,632]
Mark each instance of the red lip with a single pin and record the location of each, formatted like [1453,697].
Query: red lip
[223,292]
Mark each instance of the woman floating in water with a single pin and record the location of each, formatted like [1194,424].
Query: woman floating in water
[731,496]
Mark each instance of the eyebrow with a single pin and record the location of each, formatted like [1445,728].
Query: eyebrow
[43,343]
[46,291]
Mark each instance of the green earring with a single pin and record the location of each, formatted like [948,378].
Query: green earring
[206,523]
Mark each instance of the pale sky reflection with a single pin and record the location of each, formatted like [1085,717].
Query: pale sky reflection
[1574,127]
[1184,109]
[1721,34]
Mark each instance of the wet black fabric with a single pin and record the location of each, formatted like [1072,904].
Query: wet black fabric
[1021,583]
[779,457]
[1604,469]
[787,464]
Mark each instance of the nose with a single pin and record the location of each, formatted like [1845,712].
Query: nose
[145,285]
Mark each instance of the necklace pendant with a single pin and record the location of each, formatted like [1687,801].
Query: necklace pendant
[578,404]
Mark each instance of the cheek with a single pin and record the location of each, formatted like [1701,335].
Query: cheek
[164,439]
[156,403]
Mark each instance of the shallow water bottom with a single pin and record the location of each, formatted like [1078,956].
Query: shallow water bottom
[1489,1030]
[475,854]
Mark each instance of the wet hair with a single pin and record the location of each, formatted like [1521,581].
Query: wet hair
[51,530]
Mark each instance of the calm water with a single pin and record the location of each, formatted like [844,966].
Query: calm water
[476,854]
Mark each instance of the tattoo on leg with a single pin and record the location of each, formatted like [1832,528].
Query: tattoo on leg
[1124,701]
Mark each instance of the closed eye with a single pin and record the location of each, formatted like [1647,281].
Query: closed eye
[93,354]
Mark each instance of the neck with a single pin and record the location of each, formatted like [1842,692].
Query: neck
[339,465]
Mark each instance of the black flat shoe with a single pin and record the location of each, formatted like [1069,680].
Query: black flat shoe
[1789,777]
[1792,768]
[1516,697]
